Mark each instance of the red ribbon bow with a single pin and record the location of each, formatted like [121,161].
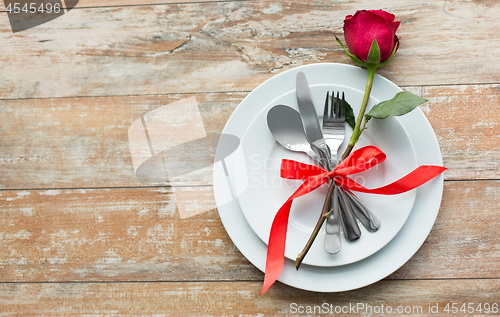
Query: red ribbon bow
[314,176]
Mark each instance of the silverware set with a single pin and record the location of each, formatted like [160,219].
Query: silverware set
[302,132]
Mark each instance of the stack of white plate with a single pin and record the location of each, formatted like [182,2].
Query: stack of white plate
[251,192]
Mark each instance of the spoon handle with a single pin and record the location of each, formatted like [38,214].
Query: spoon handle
[314,157]
[365,216]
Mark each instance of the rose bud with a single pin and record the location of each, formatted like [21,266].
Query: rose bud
[371,37]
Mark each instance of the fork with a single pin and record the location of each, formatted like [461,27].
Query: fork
[360,210]
[334,123]
[342,213]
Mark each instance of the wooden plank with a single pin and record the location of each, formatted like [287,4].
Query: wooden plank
[234,46]
[243,299]
[136,234]
[83,142]
[112,234]
[466,124]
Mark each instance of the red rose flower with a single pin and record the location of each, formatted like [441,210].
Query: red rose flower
[364,26]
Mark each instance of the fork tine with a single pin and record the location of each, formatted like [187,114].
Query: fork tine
[334,105]
[342,107]
[325,110]
[337,109]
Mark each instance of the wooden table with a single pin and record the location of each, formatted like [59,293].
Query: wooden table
[81,234]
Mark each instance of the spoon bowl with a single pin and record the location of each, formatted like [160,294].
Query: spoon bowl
[286,127]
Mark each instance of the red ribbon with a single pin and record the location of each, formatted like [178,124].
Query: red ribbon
[314,176]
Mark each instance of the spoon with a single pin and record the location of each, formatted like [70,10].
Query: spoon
[286,127]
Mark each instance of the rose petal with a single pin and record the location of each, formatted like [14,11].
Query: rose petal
[394,26]
[388,17]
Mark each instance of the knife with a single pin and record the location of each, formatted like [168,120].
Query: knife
[314,135]
[349,225]
[310,120]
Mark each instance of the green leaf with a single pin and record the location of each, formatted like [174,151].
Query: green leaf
[374,53]
[349,114]
[400,104]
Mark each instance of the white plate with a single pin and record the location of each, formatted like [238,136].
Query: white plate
[374,268]
[264,191]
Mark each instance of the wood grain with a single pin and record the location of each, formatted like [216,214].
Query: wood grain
[132,234]
[466,123]
[83,4]
[83,142]
[240,298]
[234,46]
[112,234]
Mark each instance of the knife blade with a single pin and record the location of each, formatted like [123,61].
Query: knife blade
[310,120]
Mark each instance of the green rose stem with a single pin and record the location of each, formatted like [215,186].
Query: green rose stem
[325,212]
[357,128]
